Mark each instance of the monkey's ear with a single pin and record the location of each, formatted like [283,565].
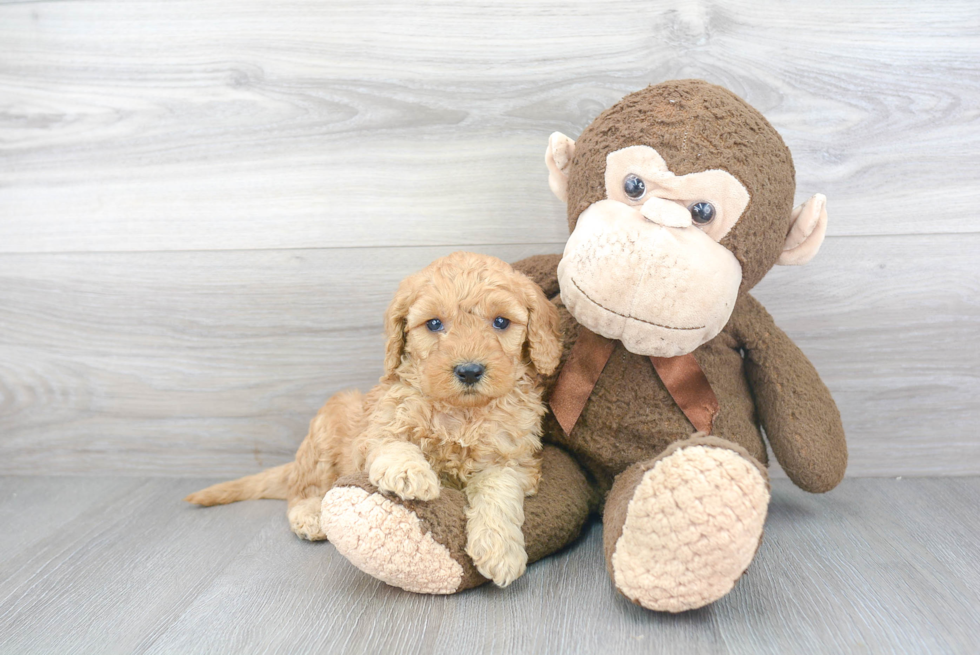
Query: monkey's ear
[559,158]
[806,232]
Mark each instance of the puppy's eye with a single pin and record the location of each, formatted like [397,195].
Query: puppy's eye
[434,325]
[501,323]
[634,187]
[702,212]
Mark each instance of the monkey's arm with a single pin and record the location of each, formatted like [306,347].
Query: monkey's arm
[543,270]
[799,416]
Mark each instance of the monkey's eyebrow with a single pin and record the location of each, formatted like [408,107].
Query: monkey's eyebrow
[643,157]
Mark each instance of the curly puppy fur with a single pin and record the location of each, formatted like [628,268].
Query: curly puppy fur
[422,425]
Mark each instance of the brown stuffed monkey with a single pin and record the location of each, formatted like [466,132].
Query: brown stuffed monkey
[680,199]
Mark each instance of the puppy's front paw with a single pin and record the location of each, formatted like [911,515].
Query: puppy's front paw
[500,557]
[408,479]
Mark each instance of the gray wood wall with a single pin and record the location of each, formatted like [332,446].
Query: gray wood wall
[205,205]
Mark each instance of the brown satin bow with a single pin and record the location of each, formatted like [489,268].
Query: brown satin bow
[682,375]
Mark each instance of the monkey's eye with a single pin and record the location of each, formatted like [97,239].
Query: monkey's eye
[501,323]
[434,325]
[702,212]
[634,187]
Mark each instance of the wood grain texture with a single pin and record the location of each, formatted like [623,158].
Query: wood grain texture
[214,363]
[165,362]
[205,206]
[132,569]
[227,125]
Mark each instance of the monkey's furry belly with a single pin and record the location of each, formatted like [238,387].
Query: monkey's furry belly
[631,404]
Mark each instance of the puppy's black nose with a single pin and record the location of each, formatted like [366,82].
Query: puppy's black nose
[469,373]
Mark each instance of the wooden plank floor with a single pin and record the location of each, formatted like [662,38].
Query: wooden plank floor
[121,565]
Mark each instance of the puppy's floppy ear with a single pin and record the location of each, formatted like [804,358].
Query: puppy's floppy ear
[395,326]
[543,340]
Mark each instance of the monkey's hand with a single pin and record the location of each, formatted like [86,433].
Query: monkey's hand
[795,407]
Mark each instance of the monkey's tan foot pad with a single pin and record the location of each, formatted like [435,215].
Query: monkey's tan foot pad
[386,540]
[692,527]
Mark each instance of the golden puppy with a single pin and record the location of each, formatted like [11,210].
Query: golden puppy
[458,403]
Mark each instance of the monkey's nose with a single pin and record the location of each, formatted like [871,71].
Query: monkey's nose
[469,373]
[666,212]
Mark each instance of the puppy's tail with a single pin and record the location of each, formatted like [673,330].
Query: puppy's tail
[271,483]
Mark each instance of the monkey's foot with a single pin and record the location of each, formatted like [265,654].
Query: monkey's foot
[412,545]
[692,525]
